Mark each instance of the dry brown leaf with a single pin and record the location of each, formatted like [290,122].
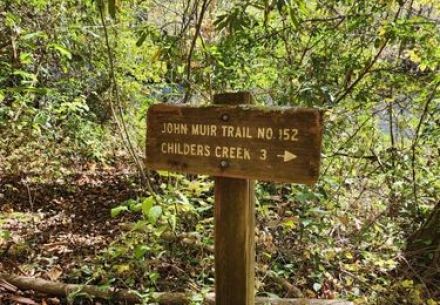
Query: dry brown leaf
[8,286]
[55,273]
[23,300]
[54,301]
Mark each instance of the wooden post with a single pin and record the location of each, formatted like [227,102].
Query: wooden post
[235,144]
[234,230]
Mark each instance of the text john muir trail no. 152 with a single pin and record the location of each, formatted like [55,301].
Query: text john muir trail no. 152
[236,141]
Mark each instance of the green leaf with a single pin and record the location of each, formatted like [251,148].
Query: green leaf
[140,250]
[182,198]
[28,90]
[33,35]
[112,8]
[61,50]
[133,205]
[25,58]
[293,12]
[173,221]
[4,234]
[154,214]
[302,7]
[122,268]
[140,225]
[147,204]
[25,75]
[118,210]
[169,174]
[153,276]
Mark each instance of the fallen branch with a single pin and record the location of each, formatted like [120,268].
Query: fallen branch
[162,298]
[292,290]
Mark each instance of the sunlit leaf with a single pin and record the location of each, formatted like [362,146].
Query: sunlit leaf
[118,210]
[61,50]
[147,204]
[154,214]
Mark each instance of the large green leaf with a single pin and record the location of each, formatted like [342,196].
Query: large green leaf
[63,51]
[147,204]
[154,214]
[118,210]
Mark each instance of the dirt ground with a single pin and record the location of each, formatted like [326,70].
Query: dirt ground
[56,227]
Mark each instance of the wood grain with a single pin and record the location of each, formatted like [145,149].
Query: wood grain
[234,219]
[234,241]
[306,147]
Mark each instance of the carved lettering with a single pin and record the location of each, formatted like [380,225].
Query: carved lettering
[185,149]
[232,152]
[174,128]
[204,130]
[265,133]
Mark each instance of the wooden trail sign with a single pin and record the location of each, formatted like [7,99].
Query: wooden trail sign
[273,144]
[235,142]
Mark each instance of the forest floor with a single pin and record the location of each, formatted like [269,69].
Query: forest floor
[65,232]
[55,228]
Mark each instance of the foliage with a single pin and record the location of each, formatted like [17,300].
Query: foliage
[76,79]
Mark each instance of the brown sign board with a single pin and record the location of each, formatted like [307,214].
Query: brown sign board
[273,144]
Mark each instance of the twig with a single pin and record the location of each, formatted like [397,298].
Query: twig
[31,203]
[371,158]
[362,74]
[121,123]
[193,44]
[416,139]
[368,67]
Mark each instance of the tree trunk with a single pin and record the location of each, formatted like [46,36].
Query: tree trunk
[423,247]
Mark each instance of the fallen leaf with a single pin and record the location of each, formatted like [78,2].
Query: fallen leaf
[53,301]
[23,300]
[55,273]
[8,286]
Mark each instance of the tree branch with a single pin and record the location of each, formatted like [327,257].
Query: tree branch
[205,5]
[368,67]
[362,74]
[120,122]
[127,296]
[416,140]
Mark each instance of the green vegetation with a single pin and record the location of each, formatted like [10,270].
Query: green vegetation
[76,79]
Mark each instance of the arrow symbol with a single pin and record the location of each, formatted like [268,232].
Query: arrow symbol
[287,156]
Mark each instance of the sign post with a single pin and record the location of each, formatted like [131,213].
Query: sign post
[234,229]
[235,142]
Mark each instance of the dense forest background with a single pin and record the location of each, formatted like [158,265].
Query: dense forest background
[78,205]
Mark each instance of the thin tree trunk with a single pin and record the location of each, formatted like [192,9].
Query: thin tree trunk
[424,245]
